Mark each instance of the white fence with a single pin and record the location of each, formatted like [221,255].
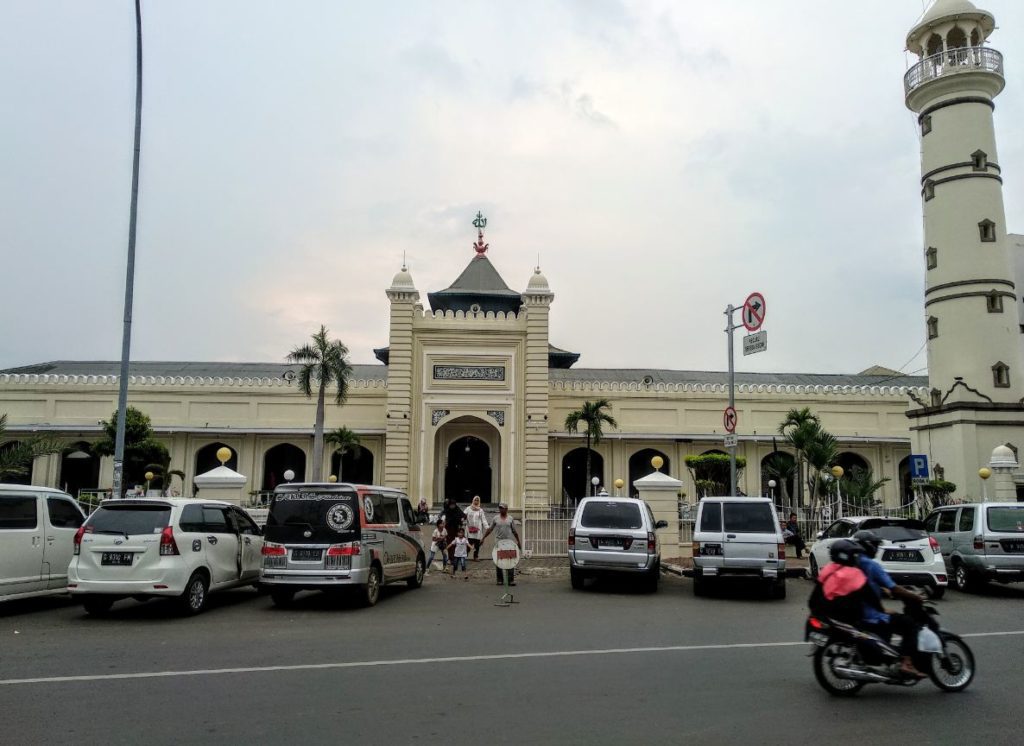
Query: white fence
[546,535]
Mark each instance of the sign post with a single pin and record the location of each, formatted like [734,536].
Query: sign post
[752,316]
[919,477]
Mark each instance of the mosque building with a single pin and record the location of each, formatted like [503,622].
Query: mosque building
[470,396]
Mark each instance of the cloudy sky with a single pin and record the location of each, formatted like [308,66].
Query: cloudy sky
[662,158]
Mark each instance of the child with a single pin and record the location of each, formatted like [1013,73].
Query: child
[438,540]
[461,544]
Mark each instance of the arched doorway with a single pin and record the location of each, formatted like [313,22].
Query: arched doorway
[640,465]
[356,466]
[575,485]
[278,460]
[22,478]
[468,470]
[852,462]
[467,461]
[79,469]
[906,484]
[206,458]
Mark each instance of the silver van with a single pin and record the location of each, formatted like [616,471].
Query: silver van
[980,542]
[614,536]
[741,537]
[337,536]
[37,540]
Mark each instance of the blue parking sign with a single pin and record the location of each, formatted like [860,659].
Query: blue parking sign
[918,467]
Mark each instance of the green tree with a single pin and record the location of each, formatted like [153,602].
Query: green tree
[797,428]
[781,467]
[593,416]
[859,487]
[820,452]
[710,473]
[344,441]
[142,451]
[323,362]
[16,459]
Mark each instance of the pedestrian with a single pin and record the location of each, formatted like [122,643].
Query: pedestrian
[422,510]
[461,547]
[504,527]
[476,524]
[438,545]
[454,518]
[791,532]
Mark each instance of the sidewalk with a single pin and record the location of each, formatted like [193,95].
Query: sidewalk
[795,568]
[540,568]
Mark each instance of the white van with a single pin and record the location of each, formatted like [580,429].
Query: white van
[738,536]
[37,532]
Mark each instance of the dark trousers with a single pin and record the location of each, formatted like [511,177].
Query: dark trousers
[906,628]
[475,543]
[511,576]
[797,543]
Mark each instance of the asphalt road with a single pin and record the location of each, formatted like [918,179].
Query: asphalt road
[443,664]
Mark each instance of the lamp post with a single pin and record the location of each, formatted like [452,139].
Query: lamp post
[288,475]
[618,486]
[595,481]
[837,473]
[332,479]
[984,472]
[149,478]
[771,489]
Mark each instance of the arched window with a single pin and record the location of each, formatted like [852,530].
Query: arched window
[851,461]
[355,466]
[1001,375]
[278,460]
[206,458]
[640,466]
[934,44]
[79,469]
[906,486]
[575,483]
[956,38]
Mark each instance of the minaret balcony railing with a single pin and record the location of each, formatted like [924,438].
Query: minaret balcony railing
[951,62]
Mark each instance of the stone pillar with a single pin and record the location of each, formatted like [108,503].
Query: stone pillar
[1003,465]
[222,483]
[398,443]
[537,301]
[661,492]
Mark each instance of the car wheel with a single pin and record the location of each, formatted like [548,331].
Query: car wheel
[416,579]
[193,598]
[962,580]
[576,579]
[812,565]
[282,598]
[97,605]
[371,591]
[651,585]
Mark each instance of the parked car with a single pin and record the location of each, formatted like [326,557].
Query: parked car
[37,529]
[738,537]
[340,536]
[907,553]
[163,547]
[614,536]
[980,542]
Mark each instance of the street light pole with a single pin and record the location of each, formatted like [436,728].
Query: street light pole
[730,327]
[129,289]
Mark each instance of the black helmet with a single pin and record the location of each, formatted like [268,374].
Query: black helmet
[844,552]
[869,540]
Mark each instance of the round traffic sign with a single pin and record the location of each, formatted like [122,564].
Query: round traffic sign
[753,311]
[729,419]
[505,554]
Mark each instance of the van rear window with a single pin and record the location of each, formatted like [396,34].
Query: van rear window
[1006,520]
[312,518]
[611,515]
[130,520]
[749,518]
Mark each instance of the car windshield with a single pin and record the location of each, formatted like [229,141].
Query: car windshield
[313,518]
[895,529]
[611,515]
[1007,519]
[130,520]
[749,518]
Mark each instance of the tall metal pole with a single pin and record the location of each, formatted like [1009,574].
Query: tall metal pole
[129,289]
[729,329]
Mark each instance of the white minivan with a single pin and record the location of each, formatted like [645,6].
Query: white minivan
[37,532]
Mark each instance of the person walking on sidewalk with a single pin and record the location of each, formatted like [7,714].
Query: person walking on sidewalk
[461,546]
[476,524]
[454,519]
[504,528]
[438,545]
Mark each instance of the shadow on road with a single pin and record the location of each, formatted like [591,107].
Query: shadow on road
[34,605]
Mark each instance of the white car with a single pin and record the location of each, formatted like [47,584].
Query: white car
[170,547]
[907,553]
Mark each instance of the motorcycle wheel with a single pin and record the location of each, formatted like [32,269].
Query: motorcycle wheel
[954,671]
[824,658]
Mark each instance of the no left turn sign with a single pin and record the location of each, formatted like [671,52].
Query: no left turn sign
[729,419]
[753,311]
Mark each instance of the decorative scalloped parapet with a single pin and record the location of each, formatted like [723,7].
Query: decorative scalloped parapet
[741,388]
[470,316]
[241,382]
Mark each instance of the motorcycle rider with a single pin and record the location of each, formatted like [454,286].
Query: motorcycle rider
[875,617]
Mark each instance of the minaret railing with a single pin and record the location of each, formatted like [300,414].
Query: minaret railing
[951,61]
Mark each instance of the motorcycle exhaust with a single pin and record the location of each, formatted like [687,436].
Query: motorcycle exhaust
[857,674]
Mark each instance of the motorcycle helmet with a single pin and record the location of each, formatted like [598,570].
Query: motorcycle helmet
[869,541]
[844,552]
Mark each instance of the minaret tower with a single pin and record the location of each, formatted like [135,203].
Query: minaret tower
[975,368]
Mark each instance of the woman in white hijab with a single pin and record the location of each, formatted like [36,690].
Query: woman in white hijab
[476,525]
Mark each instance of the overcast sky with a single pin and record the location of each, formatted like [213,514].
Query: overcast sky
[663,159]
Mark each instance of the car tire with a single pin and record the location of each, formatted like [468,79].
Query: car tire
[282,598]
[192,600]
[576,579]
[962,579]
[97,605]
[371,591]
[652,579]
[416,579]
[812,567]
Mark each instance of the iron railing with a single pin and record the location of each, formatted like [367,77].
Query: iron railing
[960,59]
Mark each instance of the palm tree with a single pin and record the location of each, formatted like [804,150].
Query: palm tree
[162,474]
[798,430]
[323,362]
[344,441]
[16,459]
[820,452]
[592,413]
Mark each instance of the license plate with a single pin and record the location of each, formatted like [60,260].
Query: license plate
[1013,546]
[902,555]
[617,543]
[711,550]
[117,558]
[307,555]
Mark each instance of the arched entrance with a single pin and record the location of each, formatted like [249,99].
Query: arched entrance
[79,469]
[356,466]
[575,485]
[467,461]
[640,465]
[278,460]
[206,458]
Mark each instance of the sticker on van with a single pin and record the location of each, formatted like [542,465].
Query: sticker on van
[368,508]
[340,517]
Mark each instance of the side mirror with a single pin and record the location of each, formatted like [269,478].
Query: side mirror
[661,524]
[820,535]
